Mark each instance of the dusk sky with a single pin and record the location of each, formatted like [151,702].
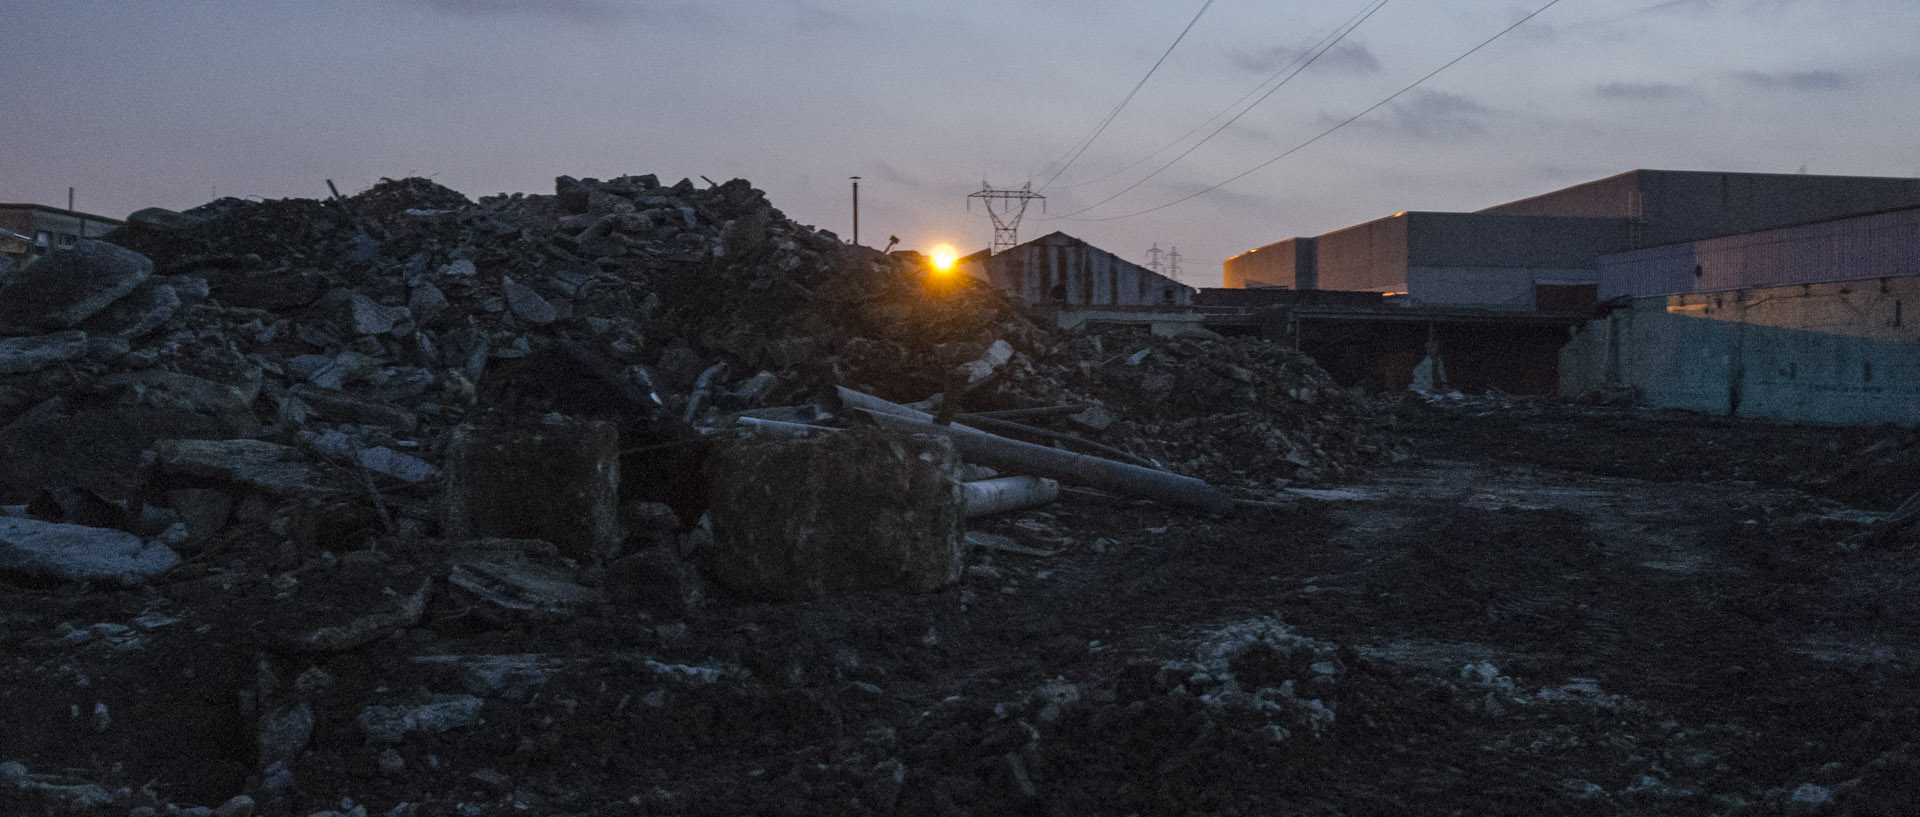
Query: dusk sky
[169,103]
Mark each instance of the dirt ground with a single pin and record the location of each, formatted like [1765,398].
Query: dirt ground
[1550,610]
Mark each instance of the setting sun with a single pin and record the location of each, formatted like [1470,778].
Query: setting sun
[943,257]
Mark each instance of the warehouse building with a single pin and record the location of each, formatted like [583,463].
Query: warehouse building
[1539,253]
[28,231]
[1770,258]
[1061,270]
[1808,323]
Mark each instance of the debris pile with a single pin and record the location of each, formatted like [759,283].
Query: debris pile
[322,438]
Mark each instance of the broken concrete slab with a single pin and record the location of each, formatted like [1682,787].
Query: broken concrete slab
[172,391]
[989,362]
[527,303]
[808,518]
[557,480]
[502,676]
[62,552]
[203,510]
[276,470]
[505,590]
[66,287]
[357,314]
[94,443]
[405,467]
[35,352]
[351,607]
[438,713]
[344,368]
[342,407]
[149,306]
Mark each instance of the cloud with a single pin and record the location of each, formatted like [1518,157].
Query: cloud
[1640,91]
[1796,80]
[579,11]
[1438,116]
[1345,58]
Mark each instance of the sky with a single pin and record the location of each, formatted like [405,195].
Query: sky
[170,103]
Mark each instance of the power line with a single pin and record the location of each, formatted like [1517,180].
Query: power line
[1236,117]
[1310,50]
[1074,153]
[1323,134]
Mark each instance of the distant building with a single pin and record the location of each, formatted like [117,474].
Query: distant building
[28,231]
[1775,295]
[1544,253]
[1062,270]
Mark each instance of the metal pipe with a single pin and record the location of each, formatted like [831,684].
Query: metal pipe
[856,210]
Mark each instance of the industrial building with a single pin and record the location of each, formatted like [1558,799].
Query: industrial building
[28,231]
[1512,256]
[1060,270]
[1805,323]
[1488,299]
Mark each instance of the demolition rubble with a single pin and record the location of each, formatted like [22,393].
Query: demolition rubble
[325,425]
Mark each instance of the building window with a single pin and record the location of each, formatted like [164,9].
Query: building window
[68,241]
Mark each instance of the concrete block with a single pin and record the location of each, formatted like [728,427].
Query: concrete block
[557,480]
[863,510]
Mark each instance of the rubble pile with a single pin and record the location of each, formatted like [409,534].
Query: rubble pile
[352,457]
[1235,411]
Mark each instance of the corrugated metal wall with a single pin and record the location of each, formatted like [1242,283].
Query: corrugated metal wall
[1059,268]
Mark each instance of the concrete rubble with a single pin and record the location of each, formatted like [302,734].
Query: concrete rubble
[344,437]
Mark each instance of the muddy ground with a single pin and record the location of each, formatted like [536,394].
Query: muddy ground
[1550,610]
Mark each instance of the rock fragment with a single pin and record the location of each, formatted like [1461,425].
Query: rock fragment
[33,353]
[63,552]
[438,713]
[66,287]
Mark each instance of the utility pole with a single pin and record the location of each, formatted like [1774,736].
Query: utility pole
[1005,206]
[856,209]
[1153,257]
[1173,263]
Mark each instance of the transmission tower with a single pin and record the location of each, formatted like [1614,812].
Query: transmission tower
[1173,263]
[1005,207]
[1153,257]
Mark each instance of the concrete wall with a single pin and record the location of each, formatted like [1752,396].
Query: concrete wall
[1370,257]
[1288,263]
[1510,288]
[1871,246]
[1835,352]
[1059,268]
[1482,240]
[1467,259]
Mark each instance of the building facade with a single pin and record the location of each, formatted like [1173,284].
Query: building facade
[1770,295]
[28,231]
[1520,255]
[1062,270]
